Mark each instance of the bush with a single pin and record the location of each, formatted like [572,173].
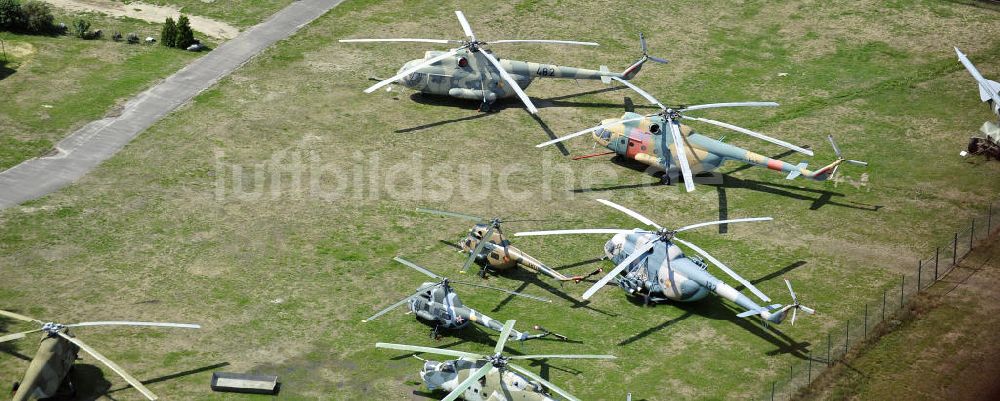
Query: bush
[11,15]
[185,36]
[117,36]
[168,36]
[37,17]
[133,38]
[81,28]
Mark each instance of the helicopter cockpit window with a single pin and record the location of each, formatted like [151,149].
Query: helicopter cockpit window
[448,367]
[603,133]
[463,62]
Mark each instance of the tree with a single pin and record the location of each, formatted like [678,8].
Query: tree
[37,17]
[11,15]
[185,36]
[81,28]
[168,36]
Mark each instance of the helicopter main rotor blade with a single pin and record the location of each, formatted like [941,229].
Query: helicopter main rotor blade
[17,336]
[465,26]
[531,375]
[728,104]
[502,290]
[563,357]
[416,40]
[681,149]
[400,303]
[555,42]
[504,335]
[725,269]
[753,134]
[791,292]
[465,384]
[578,231]
[636,254]
[641,92]
[712,223]
[429,350]
[19,316]
[117,369]
[426,63]
[479,248]
[143,324]
[414,266]
[451,214]
[588,130]
[510,81]
[645,220]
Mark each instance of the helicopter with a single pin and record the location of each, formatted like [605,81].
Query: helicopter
[989,92]
[477,377]
[654,140]
[655,268]
[471,70]
[48,375]
[499,254]
[438,303]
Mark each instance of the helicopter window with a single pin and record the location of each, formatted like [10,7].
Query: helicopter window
[463,62]
[603,133]
[643,147]
[654,128]
[448,367]
[631,144]
[495,256]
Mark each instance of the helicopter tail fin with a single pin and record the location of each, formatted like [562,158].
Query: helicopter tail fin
[796,173]
[634,69]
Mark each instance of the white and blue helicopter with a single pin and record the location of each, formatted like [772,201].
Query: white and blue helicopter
[652,266]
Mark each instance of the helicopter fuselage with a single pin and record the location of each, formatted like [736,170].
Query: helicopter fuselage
[441,306]
[666,274]
[469,75]
[48,371]
[643,141]
[499,254]
[446,376]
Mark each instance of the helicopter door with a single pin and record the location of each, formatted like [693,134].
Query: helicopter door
[639,143]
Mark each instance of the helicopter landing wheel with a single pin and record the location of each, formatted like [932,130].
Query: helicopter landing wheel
[434,333]
[485,107]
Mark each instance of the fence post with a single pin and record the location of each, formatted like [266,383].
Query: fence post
[937,258]
[989,219]
[829,346]
[972,234]
[772,390]
[809,376]
[866,320]
[847,336]
[954,250]
[883,305]
[920,271]
[902,285]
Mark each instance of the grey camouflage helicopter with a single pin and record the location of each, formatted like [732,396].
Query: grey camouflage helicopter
[496,253]
[471,70]
[48,375]
[476,377]
[437,303]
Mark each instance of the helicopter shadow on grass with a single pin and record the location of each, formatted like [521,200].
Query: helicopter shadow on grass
[107,390]
[8,347]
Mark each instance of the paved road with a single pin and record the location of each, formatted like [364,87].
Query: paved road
[99,140]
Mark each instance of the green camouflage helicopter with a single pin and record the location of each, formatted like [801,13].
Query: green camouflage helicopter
[48,375]
[475,377]
[660,141]
[471,71]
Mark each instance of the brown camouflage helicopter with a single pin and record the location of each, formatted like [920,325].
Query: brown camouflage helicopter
[48,375]
[496,253]
[477,377]
[471,71]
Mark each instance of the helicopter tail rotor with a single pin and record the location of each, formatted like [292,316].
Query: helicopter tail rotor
[828,172]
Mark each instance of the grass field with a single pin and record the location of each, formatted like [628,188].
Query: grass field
[280,274]
[241,13]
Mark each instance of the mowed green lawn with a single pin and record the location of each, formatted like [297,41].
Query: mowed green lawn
[280,274]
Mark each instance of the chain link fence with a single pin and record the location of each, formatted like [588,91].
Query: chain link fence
[880,314]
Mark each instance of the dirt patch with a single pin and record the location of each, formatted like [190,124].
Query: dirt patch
[149,12]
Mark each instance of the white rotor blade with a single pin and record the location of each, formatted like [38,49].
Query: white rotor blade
[753,134]
[426,63]
[531,375]
[836,149]
[712,223]
[579,231]
[19,316]
[725,268]
[465,384]
[17,336]
[418,40]
[465,25]
[504,335]
[729,104]
[641,92]
[510,81]
[563,357]
[578,133]
[636,254]
[807,309]
[417,268]
[144,324]
[556,42]
[794,310]
[984,84]
[429,350]
[398,304]
[645,220]
[117,369]
[503,290]
[681,149]
[790,291]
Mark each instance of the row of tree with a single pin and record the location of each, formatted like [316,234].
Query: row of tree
[179,34]
[31,17]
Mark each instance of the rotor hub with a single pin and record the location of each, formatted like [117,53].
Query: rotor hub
[666,234]
[52,328]
[498,361]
